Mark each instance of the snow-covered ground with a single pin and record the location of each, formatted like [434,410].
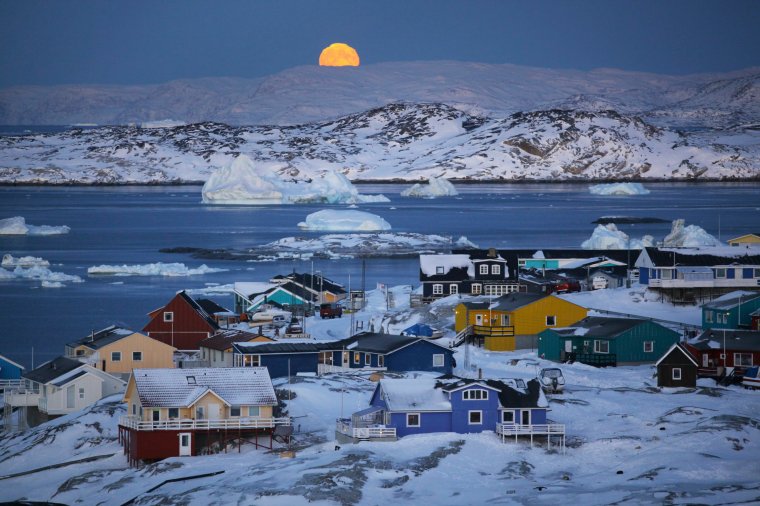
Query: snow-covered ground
[17,225]
[344,220]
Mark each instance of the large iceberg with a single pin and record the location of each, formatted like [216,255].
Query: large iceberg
[436,187]
[17,226]
[356,221]
[26,261]
[243,183]
[609,237]
[156,269]
[618,189]
[688,236]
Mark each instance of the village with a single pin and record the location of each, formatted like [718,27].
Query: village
[201,378]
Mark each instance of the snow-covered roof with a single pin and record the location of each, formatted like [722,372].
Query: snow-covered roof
[248,288]
[238,386]
[417,394]
[429,264]
[731,299]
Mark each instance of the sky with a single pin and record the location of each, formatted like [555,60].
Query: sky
[47,42]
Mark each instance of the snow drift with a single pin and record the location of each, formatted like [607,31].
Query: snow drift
[17,226]
[618,189]
[156,269]
[244,183]
[436,187]
[358,221]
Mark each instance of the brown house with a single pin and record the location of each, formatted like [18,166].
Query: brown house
[677,368]
[716,349]
[182,323]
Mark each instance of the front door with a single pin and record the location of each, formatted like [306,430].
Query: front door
[568,346]
[185,438]
[70,397]
[345,358]
[478,319]
[525,417]
[705,359]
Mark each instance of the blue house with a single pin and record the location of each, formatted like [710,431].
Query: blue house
[730,311]
[10,370]
[367,351]
[403,407]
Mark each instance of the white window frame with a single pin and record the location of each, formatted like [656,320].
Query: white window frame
[453,289]
[81,392]
[476,289]
[667,273]
[720,273]
[496,269]
[475,394]
[239,412]
[254,411]
[200,413]
[168,316]
[471,412]
[357,357]
[115,356]
[251,360]
[676,375]
[598,346]
[438,289]
[651,346]
[511,412]
[419,420]
[439,360]
[381,360]
[756,272]
[553,320]
[137,356]
[439,269]
[174,415]
[708,315]
[738,359]
[367,359]
[483,269]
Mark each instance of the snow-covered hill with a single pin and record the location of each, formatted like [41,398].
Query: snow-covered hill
[399,141]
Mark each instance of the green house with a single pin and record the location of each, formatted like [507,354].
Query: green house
[730,311]
[607,341]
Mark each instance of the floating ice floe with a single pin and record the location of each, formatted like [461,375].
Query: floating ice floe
[618,189]
[17,226]
[688,236]
[156,269]
[358,221]
[609,237]
[38,273]
[436,187]
[244,183]
[27,261]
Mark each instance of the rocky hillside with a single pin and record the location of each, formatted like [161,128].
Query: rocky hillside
[395,142]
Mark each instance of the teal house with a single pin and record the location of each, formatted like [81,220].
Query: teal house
[730,311]
[607,341]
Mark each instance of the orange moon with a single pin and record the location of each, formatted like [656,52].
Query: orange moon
[339,55]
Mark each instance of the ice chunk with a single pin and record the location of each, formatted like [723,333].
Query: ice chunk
[618,189]
[156,269]
[358,221]
[27,261]
[436,187]
[609,237]
[689,236]
[245,183]
[17,226]
[38,272]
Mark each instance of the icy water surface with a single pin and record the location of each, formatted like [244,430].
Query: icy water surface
[128,225]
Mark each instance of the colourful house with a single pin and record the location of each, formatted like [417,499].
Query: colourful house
[404,407]
[677,368]
[182,323]
[184,412]
[730,311]
[217,350]
[726,348]
[607,341]
[746,239]
[513,321]
[10,370]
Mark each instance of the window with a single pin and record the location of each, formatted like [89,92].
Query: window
[475,417]
[757,273]
[483,269]
[190,380]
[708,316]
[115,356]
[199,412]
[476,289]
[254,411]
[437,289]
[234,410]
[357,357]
[475,395]
[453,289]
[601,346]
[137,356]
[134,409]
[168,316]
[367,359]
[412,419]
[496,269]
[508,416]
[381,360]
[173,413]
[676,373]
[551,320]
[720,273]
[648,346]
[742,359]
[667,274]
[80,353]
[156,415]
[439,269]
[251,360]
[81,393]
[438,360]
[521,263]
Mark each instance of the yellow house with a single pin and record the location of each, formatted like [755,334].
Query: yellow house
[117,351]
[512,321]
[750,239]
[216,351]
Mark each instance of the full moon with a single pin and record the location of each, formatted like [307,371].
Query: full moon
[339,55]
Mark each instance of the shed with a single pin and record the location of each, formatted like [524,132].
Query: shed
[677,368]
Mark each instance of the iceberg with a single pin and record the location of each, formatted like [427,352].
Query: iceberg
[27,261]
[618,189]
[38,273]
[156,269]
[17,226]
[609,237]
[242,182]
[436,187]
[688,236]
[358,221]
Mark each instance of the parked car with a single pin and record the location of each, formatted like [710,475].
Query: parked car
[552,380]
[330,310]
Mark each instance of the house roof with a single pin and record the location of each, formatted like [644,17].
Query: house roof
[599,327]
[52,370]
[736,340]
[223,340]
[453,267]
[731,300]
[211,307]
[199,309]
[513,393]
[275,348]
[370,342]
[312,282]
[3,358]
[729,255]
[516,300]
[677,348]
[238,386]
[68,378]
[418,394]
[101,338]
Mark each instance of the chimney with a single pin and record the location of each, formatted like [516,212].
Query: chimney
[491,252]
[480,373]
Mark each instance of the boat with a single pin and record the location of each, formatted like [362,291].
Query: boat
[552,380]
[751,378]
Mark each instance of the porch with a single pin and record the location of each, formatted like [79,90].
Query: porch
[135,423]
[365,425]
[551,430]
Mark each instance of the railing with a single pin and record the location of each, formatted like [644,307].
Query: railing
[513,429]
[493,331]
[21,397]
[344,427]
[462,336]
[133,422]
[595,359]
[42,404]
[9,384]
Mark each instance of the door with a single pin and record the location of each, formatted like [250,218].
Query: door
[345,359]
[705,360]
[568,346]
[156,415]
[185,439]
[70,397]
[478,319]
[525,417]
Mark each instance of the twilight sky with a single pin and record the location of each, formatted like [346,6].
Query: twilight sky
[150,41]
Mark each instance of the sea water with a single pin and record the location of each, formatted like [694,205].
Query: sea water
[129,225]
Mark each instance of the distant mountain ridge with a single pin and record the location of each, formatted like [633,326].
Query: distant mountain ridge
[393,142]
[312,93]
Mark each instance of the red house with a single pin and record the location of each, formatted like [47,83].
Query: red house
[733,348]
[182,323]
